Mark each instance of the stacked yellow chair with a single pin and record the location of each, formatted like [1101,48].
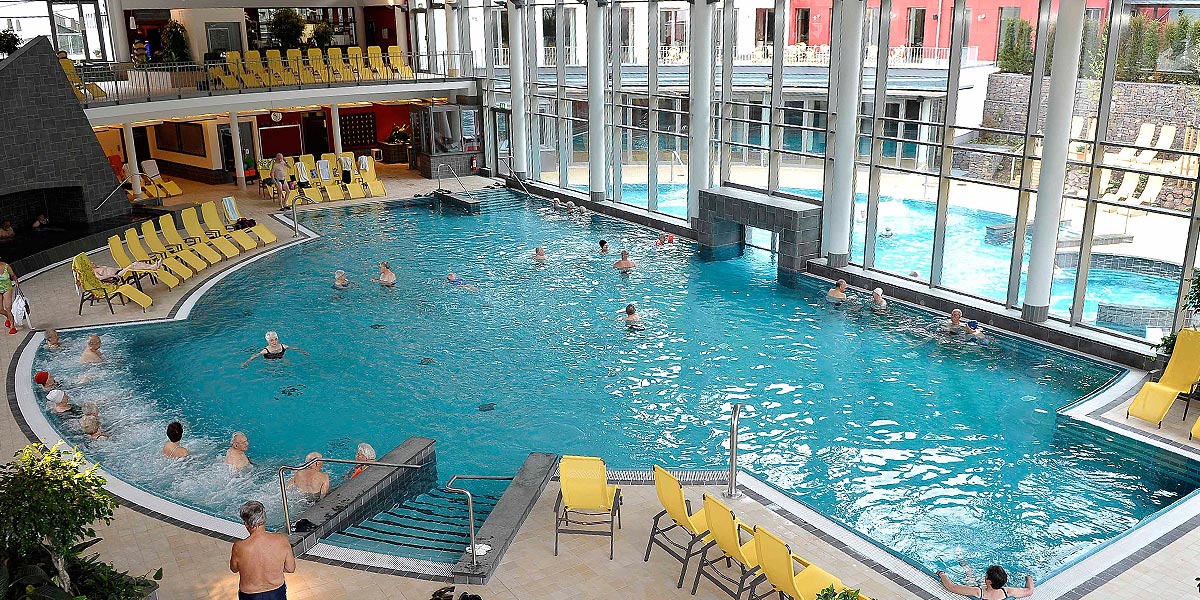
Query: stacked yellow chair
[1155,398]
[586,498]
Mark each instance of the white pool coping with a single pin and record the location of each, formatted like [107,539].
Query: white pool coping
[1098,560]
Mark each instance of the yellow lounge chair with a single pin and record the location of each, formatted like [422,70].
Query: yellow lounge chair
[168,187]
[316,62]
[375,61]
[295,62]
[326,182]
[399,63]
[92,290]
[366,169]
[188,252]
[778,564]
[136,249]
[229,82]
[679,510]
[337,65]
[150,236]
[232,214]
[279,71]
[191,224]
[135,276]
[254,65]
[358,65]
[212,221]
[584,489]
[1195,430]
[726,532]
[1154,399]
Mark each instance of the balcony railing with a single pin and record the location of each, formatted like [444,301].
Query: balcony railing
[550,57]
[107,83]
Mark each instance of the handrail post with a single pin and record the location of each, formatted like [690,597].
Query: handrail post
[733,492]
[470,517]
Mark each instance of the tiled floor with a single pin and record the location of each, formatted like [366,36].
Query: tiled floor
[196,565]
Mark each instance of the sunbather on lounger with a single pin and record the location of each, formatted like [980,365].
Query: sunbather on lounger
[106,272]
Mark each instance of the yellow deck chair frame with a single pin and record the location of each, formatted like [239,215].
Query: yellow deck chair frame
[279,71]
[358,64]
[188,252]
[316,63]
[191,224]
[399,63]
[376,63]
[1183,371]
[679,512]
[212,221]
[778,564]
[585,491]
[337,65]
[92,290]
[122,260]
[726,531]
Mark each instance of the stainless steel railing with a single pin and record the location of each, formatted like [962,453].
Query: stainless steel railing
[512,177]
[733,492]
[287,517]
[456,178]
[471,506]
[100,83]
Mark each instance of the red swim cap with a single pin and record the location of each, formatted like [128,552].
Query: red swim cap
[41,377]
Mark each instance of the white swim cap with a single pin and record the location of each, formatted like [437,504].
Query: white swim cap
[878,291]
[55,396]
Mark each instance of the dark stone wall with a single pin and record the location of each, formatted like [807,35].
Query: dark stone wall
[724,213]
[49,144]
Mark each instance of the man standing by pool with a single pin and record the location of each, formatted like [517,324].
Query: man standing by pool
[262,559]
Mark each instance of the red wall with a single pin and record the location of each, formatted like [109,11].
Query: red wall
[385,117]
[383,17]
[984,32]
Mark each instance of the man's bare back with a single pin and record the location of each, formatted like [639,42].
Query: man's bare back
[261,560]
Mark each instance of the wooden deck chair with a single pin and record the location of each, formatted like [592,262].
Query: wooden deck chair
[1183,371]
[678,510]
[191,249]
[150,170]
[212,220]
[1128,154]
[93,291]
[359,65]
[191,224]
[778,563]
[376,63]
[1166,137]
[229,82]
[337,65]
[399,63]
[316,63]
[278,70]
[327,183]
[726,531]
[584,492]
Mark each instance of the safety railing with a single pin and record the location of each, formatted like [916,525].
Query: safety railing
[103,83]
[287,516]
[733,492]
[473,549]
[511,177]
[438,173]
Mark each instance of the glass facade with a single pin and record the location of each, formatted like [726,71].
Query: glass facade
[949,141]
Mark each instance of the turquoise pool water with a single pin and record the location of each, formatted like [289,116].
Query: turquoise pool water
[934,448]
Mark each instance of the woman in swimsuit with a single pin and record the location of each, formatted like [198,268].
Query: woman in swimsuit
[274,349]
[455,280]
[8,280]
[993,587]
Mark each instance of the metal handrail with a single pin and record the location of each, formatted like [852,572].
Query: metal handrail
[679,159]
[287,517]
[471,505]
[456,178]
[120,186]
[296,222]
[733,492]
[514,178]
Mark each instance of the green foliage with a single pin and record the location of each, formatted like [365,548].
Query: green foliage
[175,42]
[9,41]
[49,500]
[1167,344]
[830,593]
[97,579]
[287,28]
[322,35]
[1016,52]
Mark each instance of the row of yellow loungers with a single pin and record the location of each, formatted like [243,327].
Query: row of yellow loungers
[1180,377]
[763,556]
[315,67]
[364,181]
[204,243]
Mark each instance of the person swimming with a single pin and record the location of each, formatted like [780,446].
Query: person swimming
[274,349]
[386,277]
[631,317]
[454,280]
[539,253]
[878,303]
[886,233]
[624,265]
[837,294]
[603,247]
[340,282]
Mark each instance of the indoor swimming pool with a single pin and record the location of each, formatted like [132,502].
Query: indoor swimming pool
[945,452]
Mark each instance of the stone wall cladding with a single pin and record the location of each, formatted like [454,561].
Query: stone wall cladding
[724,213]
[1121,262]
[48,141]
[1134,103]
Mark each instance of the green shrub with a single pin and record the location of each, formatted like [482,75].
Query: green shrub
[175,42]
[322,35]
[287,28]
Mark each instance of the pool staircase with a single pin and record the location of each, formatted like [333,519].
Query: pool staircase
[397,517]
[488,198]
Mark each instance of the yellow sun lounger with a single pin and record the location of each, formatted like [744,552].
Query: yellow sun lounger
[213,224]
[122,260]
[232,214]
[678,511]
[191,224]
[726,532]
[92,290]
[584,489]
[1155,399]
[186,253]
[778,564]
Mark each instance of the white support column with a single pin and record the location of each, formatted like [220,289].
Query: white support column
[519,127]
[435,65]
[1068,37]
[360,27]
[452,48]
[595,97]
[133,172]
[119,26]
[839,203]
[235,134]
[400,37]
[337,131]
[700,106]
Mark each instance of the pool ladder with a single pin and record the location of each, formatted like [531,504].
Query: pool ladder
[456,178]
[472,549]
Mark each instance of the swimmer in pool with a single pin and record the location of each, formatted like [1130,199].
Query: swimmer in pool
[52,341]
[59,402]
[624,265]
[631,317]
[956,325]
[603,247]
[312,480]
[46,380]
[386,277]
[837,294]
[878,304]
[454,280]
[235,456]
[90,425]
[886,233]
[274,350]
[539,254]
[172,449]
[340,282]
[91,355]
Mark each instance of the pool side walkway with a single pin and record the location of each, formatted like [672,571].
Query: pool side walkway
[196,565]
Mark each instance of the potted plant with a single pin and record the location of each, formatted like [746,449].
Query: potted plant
[1191,308]
[49,500]
[177,49]
[322,35]
[9,42]
[287,28]
[830,593]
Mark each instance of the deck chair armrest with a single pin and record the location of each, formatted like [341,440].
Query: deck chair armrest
[746,528]
[190,239]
